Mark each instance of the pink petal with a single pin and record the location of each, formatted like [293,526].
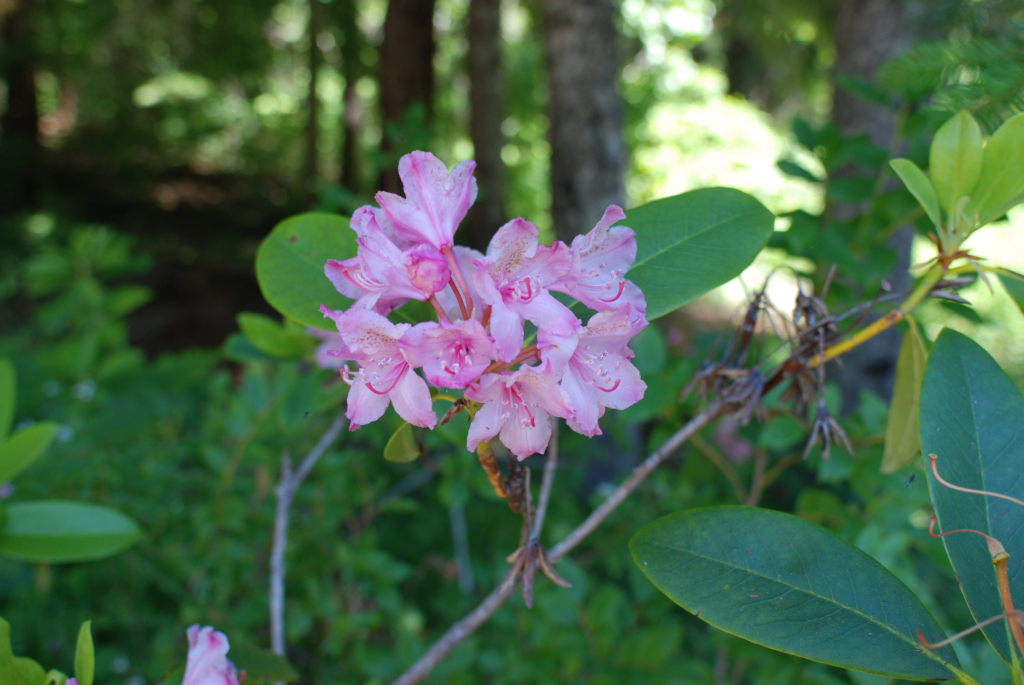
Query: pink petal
[524,440]
[411,398]
[207,658]
[582,395]
[364,405]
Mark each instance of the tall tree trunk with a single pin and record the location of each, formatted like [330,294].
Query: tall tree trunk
[406,70]
[312,171]
[588,156]
[19,126]
[487,110]
[352,43]
[867,33]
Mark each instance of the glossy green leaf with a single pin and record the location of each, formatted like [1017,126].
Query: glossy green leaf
[267,335]
[16,670]
[402,446]
[785,583]
[1014,288]
[24,447]
[903,431]
[972,417]
[1002,172]
[58,531]
[690,243]
[919,185]
[85,655]
[8,395]
[261,666]
[955,159]
[290,266]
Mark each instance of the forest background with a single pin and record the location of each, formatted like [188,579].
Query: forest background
[147,147]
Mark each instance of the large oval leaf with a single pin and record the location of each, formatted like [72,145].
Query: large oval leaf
[972,417]
[24,447]
[57,531]
[787,584]
[954,160]
[1002,172]
[290,266]
[690,243]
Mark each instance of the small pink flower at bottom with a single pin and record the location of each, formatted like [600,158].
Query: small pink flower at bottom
[208,663]
[517,407]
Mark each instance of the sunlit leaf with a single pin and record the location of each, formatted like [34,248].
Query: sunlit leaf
[85,655]
[16,670]
[972,417]
[24,447]
[1002,172]
[903,431]
[290,266]
[402,446]
[785,583]
[1014,288]
[690,243]
[955,160]
[919,185]
[58,531]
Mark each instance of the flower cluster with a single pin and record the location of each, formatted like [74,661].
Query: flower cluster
[483,303]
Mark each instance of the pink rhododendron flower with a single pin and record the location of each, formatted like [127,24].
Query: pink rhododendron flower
[208,663]
[517,407]
[599,261]
[382,277]
[385,376]
[435,201]
[452,354]
[513,279]
[482,304]
[599,373]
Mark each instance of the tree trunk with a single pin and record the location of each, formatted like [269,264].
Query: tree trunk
[867,33]
[406,70]
[352,116]
[487,111]
[312,170]
[19,127]
[588,156]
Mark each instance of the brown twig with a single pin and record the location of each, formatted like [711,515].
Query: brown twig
[711,412]
[474,619]
[757,484]
[546,482]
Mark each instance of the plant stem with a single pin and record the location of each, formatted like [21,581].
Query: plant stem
[285,491]
[548,480]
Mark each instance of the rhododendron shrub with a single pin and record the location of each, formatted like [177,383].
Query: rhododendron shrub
[486,306]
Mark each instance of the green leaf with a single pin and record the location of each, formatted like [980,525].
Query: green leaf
[955,160]
[972,417]
[24,447]
[262,666]
[791,168]
[919,185]
[1014,288]
[1002,172]
[402,446]
[290,266]
[8,396]
[690,243]
[57,531]
[903,432]
[85,655]
[865,90]
[17,670]
[787,584]
[267,336]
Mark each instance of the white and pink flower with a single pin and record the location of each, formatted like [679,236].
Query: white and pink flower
[208,663]
[484,304]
